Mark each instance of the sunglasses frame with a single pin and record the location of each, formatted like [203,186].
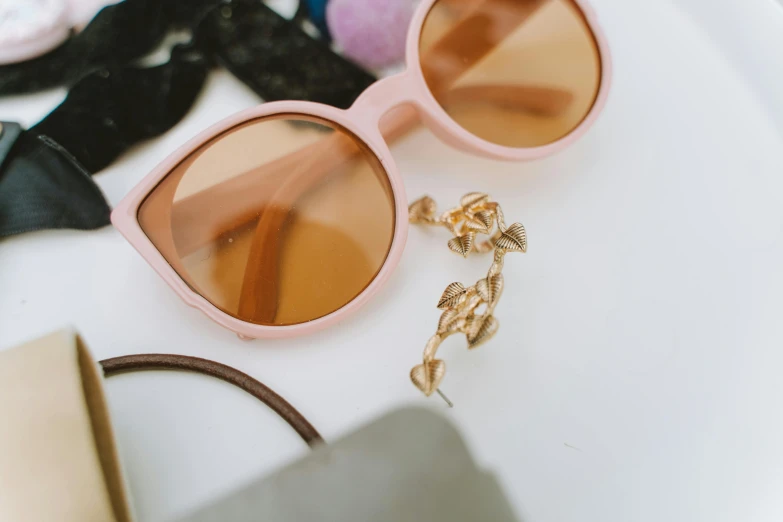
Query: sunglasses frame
[363,120]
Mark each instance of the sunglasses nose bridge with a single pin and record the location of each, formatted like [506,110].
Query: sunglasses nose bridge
[381,97]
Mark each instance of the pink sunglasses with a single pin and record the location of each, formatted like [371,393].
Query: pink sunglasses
[287,217]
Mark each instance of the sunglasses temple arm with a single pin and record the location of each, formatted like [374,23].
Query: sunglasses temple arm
[262,269]
[489,23]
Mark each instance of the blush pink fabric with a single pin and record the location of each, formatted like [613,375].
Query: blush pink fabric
[370,32]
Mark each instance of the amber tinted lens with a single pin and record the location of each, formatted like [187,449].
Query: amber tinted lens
[279,221]
[519,73]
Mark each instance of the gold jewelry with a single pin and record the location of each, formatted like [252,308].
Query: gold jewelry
[477,214]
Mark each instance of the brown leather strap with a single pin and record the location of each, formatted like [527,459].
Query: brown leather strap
[142,362]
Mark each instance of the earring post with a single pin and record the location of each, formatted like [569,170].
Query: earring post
[442,396]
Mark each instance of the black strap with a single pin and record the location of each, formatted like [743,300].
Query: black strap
[117,35]
[43,187]
[114,108]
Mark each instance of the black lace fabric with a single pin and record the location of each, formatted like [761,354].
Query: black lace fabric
[277,59]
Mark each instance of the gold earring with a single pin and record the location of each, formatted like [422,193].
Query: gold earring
[477,214]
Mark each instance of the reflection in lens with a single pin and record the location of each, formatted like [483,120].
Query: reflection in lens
[518,73]
[278,221]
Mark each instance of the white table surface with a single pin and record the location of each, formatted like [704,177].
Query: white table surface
[637,372]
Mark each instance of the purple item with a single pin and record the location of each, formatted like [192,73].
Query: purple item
[372,33]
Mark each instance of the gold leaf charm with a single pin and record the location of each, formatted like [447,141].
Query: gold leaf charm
[428,375]
[450,219]
[472,199]
[422,210]
[490,288]
[452,295]
[447,320]
[481,329]
[462,244]
[478,226]
[514,239]
[481,221]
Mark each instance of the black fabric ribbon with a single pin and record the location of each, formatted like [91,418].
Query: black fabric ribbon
[112,104]
[43,186]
